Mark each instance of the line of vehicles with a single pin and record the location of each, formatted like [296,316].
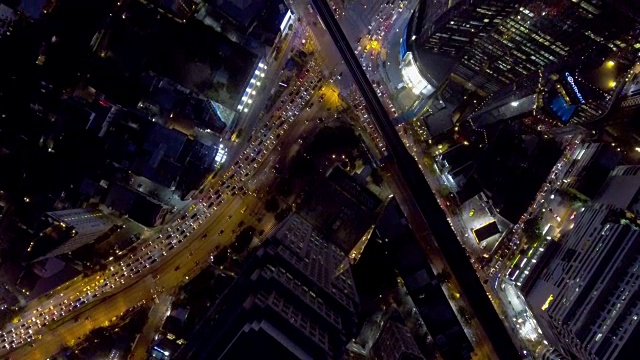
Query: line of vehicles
[22,329]
[266,135]
[123,270]
[140,257]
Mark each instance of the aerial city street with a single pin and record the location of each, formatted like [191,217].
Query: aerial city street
[319,179]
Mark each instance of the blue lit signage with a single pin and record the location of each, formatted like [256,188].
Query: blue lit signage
[403,43]
[574,87]
[561,109]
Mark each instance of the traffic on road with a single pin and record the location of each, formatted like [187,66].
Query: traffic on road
[159,244]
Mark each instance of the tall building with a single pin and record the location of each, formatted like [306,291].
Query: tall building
[452,32]
[585,290]
[435,39]
[289,303]
[341,209]
[590,168]
[396,343]
[85,226]
[7,17]
[516,48]
[622,189]
[587,299]
[540,36]
[426,12]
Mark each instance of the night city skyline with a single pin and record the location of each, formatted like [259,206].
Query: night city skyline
[320,179]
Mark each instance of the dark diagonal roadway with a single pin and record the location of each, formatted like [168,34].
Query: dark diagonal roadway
[408,176]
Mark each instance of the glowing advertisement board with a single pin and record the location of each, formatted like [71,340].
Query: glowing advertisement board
[572,83]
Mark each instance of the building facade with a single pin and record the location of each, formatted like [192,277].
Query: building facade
[584,288]
[452,32]
[289,302]
[7,17]
[538,36]
[85,226]
[396,343]
[622,189]
[501,48]
[587,299]
[590,168]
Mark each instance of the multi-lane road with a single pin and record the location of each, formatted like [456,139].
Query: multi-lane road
[408,177]
[102,310]
[168,256]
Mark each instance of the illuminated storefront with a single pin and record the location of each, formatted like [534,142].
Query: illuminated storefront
[412,77]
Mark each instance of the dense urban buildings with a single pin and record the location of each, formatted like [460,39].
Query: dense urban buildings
[452,33]
[586,293]
[289,301]
[502,54]
[319,179]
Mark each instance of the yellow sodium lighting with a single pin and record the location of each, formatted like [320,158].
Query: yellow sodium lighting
[546,303]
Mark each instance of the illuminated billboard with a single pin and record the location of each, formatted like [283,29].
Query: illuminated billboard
[564,99]
[574,87]
[561,108]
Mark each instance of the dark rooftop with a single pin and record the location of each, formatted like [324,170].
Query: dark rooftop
[136,204]
[458,156]
[164,143]
[513,167]
[363,196]
[190,53]
[486,231]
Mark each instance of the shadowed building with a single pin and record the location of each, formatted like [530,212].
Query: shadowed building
[288,303]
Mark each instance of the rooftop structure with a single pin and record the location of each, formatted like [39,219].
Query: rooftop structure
[192,54]
[511,169]
[288,302]
[44,276]
[253,23]
[341,209]
[138,206]
[486,231]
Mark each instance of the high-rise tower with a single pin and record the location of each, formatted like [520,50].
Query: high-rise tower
[288,303]
[586,291]
[496,48]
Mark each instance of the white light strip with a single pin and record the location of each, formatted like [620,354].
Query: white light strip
[286,20]
[249,92]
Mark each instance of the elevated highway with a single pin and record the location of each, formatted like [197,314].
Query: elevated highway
[439,239]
